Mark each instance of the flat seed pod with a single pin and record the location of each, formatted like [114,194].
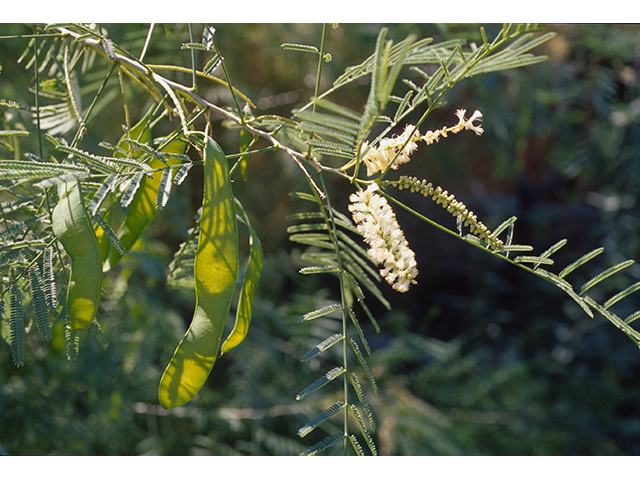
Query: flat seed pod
[216,273]
[71,225]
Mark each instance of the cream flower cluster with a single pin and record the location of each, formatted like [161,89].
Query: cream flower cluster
[401,147]
[378,159]
[377,223]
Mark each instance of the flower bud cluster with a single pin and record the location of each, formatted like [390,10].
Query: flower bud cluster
[398,149]
[377,223]
[453,206]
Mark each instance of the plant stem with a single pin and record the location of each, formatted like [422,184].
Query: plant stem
[194,86]
[147,41]
[345,350]
[37,93]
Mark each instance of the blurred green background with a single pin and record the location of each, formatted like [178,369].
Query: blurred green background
[478,358]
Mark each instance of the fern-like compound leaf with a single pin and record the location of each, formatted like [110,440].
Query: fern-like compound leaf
[345,222]
[14,256]
[533,259]
[48,278]
[356,263]
[102,164]
[323,417]
[513,56]
[420,53]
[303,196]
[518,248]
[109,49]
[366,281]
[98,334]
[391,76]
[145,148]
[39,302]
[73,89]
[193,46]
[106,187]
[111,235]
[355,381]
[319,269]
[338,109]
[613,318]
[28,170]
[327,442]
[307,227]
[349,128]
[313,239]
[332,148]
[607,273]
[356,269]
[207,37]
[113,148]
[164,189]
[404,103]
[320,312]
[8,207]
[322,346]
[353,285]
[304,216]
[16,322]
[356,324]
[619,296]
[71,340]
[300,48]
[130,190]
[560,282]
[566,287]
[634,316]
[356,445]
[212,65]
[321,382]
[363,429]
[508,223]
[182,173]
[581,261]
[551,250]
[364,365]
[321,125]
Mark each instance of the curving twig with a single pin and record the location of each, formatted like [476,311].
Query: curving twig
[171,86]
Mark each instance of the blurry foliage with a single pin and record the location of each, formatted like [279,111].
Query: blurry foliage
[475,359]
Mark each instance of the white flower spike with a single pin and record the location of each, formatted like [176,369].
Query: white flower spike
[377,223]
[377,159]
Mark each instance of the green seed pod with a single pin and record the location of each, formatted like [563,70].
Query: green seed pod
[249,287]
[216,273]
[71,225]
[142,208]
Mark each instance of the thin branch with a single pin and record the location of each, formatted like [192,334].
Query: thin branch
[147,41]
[171,85]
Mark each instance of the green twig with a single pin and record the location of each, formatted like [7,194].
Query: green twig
[146,42]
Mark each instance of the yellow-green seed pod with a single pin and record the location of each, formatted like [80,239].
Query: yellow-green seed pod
[216,272]
[71,225]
